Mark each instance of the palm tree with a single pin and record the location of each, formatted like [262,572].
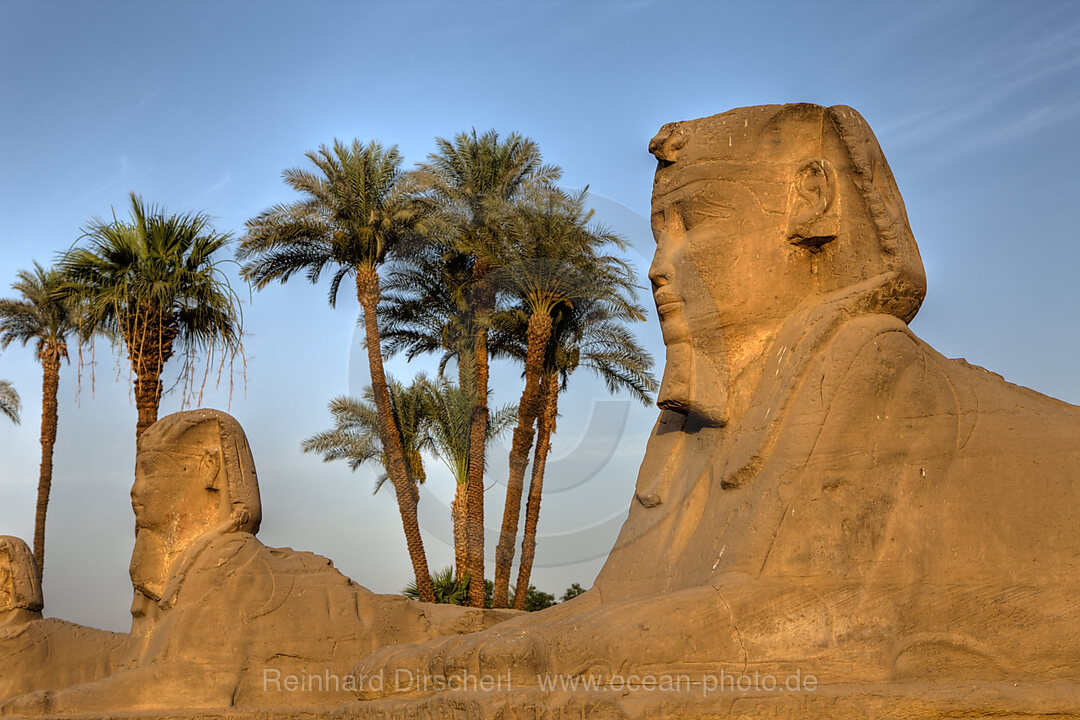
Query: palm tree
[356,437]
[559,263]
[426,310]
[154,283]
[588,334]
[44,316]
[467,186]
[449,588]
[449,411]
[353,216]
[9,401]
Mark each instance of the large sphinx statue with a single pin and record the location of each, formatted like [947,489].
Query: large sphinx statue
[823,496]
[221,621]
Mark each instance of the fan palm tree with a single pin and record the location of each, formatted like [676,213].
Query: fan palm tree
[559,264]
[9,401]
[47,318]
[154,282]
[352,216]
[587,334]
[467,186]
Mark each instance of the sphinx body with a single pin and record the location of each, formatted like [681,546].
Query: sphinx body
[60,653]
[823,493]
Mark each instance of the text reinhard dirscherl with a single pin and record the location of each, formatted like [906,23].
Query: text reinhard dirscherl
[408,681]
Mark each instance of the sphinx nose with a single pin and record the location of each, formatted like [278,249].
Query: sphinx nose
[659,271]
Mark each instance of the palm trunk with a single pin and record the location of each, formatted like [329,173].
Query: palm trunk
[367,292]
[147,398]
[461,537]
[50,384]
[459,506]
[538,334]
[483,303]
[549,391]
[149,337]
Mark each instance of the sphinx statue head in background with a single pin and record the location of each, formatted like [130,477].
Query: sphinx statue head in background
[194,481]
[769,220]
[37,652]
[20,591]
[215,610]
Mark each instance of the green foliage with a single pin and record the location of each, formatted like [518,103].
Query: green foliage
[448,590]
[558,257]
[154,282]
[466,192]
[534,599]
[352,215]
[355,435]
[9,401]
[448,410]
[43,314]
[572,592]
[432,416]
[456,592]
[469,184]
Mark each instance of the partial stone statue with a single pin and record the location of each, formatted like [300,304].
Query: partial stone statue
[823,493]
[36,652]
[219,620]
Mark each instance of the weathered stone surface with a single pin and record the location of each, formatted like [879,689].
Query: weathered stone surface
[825,500]
[37,652]
[219,619]
[823,493]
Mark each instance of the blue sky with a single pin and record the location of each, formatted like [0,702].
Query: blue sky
[200,106]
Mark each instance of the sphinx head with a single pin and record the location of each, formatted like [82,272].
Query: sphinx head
[20,591]
[759,215]
[194,479]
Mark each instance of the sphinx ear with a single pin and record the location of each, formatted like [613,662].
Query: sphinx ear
[813,205]
[211,466]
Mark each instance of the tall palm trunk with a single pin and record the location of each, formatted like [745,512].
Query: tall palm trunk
[459,506]
[367,292]
[461,536]
[483,304]
[538,333]
[549,398]
[50,383]
[149,337]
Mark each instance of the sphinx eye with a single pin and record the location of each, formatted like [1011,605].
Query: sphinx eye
[657,221]
[701,211]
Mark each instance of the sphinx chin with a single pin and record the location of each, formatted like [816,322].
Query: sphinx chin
[693,386]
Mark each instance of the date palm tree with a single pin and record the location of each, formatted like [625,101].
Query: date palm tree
[559,263]
[45,317]
[155,283]
[449,411]
[467,186]
[9,401]
[352,216]
[590,334]
[356,438]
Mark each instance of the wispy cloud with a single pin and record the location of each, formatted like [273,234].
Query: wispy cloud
[993,92]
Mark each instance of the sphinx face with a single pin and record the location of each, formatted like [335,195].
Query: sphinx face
[723,275]
[722,261]
[174,504]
